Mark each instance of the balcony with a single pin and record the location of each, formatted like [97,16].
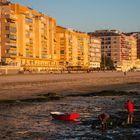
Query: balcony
[28,54]
[31,42]
[43,20]
[30,28]
[11,45]
[11,29]
[44,56]
[28,20]
[11,18]
[10,53]
[11,36]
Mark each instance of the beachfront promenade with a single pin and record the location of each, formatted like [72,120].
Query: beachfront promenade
[26,85]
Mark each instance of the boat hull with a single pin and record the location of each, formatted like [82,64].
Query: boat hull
[67,117]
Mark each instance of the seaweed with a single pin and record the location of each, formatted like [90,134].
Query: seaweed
[106,93]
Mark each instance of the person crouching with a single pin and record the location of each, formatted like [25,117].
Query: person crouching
[103,118]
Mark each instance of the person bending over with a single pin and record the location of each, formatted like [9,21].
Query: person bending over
[103,118]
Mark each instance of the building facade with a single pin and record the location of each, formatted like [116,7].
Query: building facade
[117,46]
[28,39]
[73,48]
[137,36]
[94,53]
[31,41]
[133,47]
[138,48]
[78,50]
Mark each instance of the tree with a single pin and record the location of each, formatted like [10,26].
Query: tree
[3,63]
[107,63]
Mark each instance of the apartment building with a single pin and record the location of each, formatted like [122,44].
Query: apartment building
[73,48]
[78,50]
[94,53]
[137,36]
[116,46]
[3,11]
[138,48]
[28,39]
[138,45]
[133,47]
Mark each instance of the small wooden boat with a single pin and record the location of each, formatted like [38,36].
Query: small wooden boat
[64,116]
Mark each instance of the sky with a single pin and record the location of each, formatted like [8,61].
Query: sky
[90,15]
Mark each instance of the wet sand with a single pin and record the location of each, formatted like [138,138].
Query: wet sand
[32,120]
[30,85]
[29,116]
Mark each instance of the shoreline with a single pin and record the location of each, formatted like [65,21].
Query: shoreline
[55,97]
[19,87]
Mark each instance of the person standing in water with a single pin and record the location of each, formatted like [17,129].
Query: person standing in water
[129,107]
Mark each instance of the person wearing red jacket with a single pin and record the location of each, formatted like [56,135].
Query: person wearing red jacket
[129,107]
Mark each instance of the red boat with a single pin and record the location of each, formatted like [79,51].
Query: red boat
[64,116]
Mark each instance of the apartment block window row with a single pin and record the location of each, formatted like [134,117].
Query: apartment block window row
[11,52]
[11,29]
[28,20]
[11,36]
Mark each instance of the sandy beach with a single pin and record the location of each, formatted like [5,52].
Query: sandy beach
[29,85]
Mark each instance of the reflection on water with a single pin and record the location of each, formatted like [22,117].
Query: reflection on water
[32,121]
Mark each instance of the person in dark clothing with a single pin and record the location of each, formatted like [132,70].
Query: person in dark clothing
[129,107]
[103,118]
[124,73]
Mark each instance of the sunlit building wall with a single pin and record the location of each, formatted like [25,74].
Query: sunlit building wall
[138,49]
[137,36]
[133,45]
[78,50]
[74,48]
[94,53]
[28,39]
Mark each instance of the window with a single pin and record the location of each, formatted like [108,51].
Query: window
[79,58]
[28,20]
[108,54]
[11,36]
[62,52]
